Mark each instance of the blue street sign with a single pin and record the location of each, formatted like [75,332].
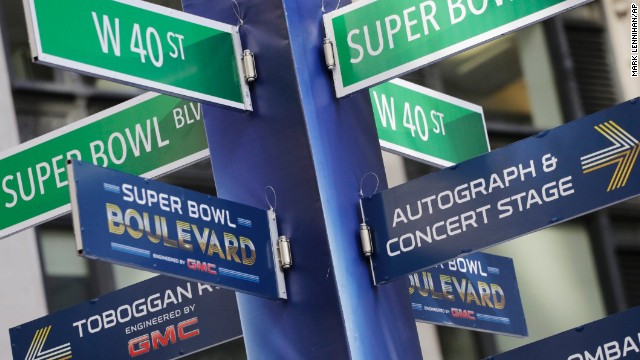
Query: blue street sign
[477,292]
[549,178]
[614,337]
[164,318]
[129,220]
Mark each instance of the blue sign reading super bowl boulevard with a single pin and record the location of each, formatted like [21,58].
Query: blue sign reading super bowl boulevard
[129,220]
[552,177]
[614,337]
[477,292]
[159,318]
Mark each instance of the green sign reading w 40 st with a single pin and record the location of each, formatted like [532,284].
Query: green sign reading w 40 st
[150,135]
[142,45]
[375,41]
[426,125]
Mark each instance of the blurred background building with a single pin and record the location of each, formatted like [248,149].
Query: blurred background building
[529,81]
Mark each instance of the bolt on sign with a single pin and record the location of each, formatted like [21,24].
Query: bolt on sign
[149,135]
[546,179]
[149,225]
[375,41]
[161,318]
[142,45]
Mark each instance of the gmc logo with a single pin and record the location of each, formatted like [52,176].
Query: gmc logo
[142,344]
[201,266]
[463,314]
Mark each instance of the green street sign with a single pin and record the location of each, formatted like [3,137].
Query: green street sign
[149,135]
[377,40]
[426,125]
[142,45]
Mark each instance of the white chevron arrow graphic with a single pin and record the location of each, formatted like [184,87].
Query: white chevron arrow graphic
[624,153]
[62,352]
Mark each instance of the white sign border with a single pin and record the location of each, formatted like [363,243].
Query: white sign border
[279,273]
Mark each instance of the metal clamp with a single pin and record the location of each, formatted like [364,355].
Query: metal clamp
[284,250]
[249,64]
[329,56]
[365,240]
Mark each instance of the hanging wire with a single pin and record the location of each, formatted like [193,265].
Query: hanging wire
[362,191]
[365,230]
[236,10]
[275,199]
[362,182]
[324,10]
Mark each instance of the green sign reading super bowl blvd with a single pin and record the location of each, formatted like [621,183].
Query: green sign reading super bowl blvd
[142,45]
[150,135]
[426,125]
[377,40]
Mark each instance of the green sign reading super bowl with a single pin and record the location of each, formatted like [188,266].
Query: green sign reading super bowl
[377,40]
[426,125]
[149,135]
[142,45]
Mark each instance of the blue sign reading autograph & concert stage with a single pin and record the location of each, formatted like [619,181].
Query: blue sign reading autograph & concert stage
[552,177]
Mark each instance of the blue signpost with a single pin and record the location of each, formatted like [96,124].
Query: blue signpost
[614,337]
[552,177]
[160,318]
[313,150]
[146,224]
[478,291]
